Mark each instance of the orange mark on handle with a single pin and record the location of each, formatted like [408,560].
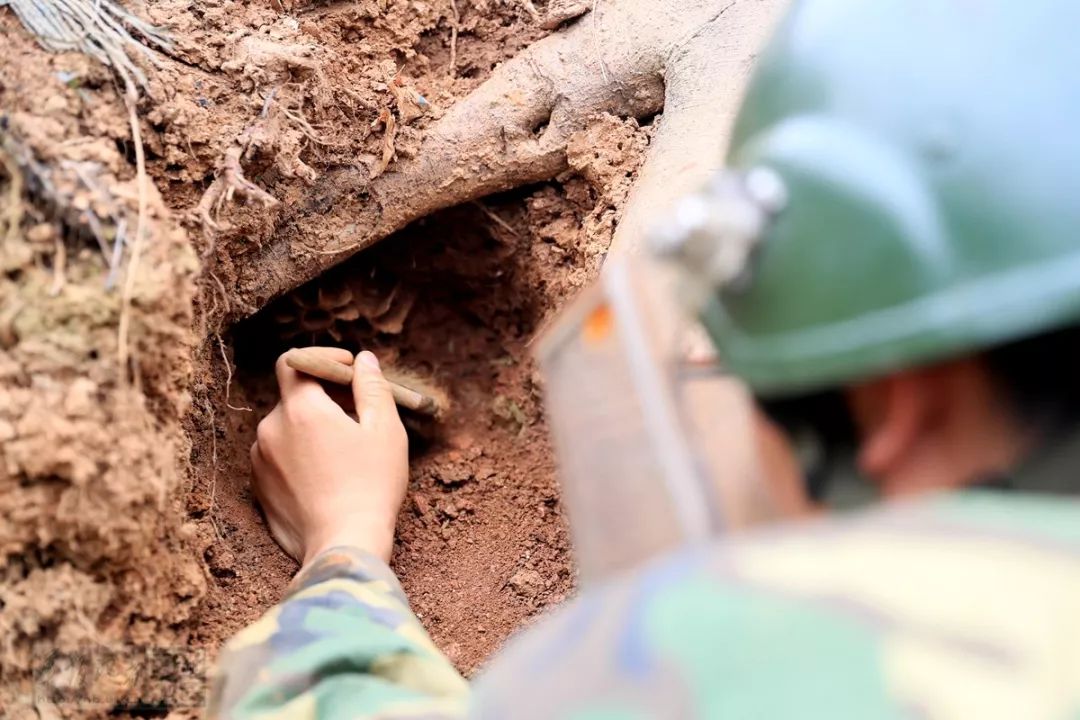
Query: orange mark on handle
[599,324]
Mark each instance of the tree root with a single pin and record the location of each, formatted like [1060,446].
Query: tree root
[630,58]
[123,353]
[229,181]
[455,28]
[561,11]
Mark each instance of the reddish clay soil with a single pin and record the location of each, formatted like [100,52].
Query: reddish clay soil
[124,490]
[482,545]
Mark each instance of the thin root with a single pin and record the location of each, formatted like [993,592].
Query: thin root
[496,219]
[131,99]
[230,180]
[59,267]
[228,376]
[309,132]
[221,289]
[86,174]
[389,123]
[455,28]
[213,468]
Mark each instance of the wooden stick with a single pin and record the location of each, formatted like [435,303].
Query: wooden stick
[314,364]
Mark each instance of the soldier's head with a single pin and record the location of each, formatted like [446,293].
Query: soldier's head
[892,261]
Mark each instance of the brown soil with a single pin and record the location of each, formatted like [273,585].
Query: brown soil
[124,491]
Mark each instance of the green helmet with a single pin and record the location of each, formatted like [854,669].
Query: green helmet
[904,186]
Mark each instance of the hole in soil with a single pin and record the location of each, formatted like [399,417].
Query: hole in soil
[456,299]
[436,303]
[140,710]
[541,126]
[437,299]
[127,150]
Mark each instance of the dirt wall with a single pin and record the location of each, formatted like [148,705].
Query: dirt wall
[126,516]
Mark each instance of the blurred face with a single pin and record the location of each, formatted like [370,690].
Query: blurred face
[915,431]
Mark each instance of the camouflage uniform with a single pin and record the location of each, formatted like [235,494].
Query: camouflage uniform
[343,643]
[956,607]
[961,606]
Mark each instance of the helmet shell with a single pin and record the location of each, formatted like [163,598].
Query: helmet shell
[931,156]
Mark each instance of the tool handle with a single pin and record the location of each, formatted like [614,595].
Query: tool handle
[312,363]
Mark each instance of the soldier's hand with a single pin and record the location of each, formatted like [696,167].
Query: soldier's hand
[324,479]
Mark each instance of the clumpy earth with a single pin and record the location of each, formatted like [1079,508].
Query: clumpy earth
[125,515]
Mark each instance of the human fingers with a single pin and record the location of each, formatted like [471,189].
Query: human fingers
[294,384]
[371,391]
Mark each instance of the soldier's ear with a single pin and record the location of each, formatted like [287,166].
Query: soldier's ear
[891,416]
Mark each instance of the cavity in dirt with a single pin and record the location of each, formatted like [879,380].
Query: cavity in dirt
[454,299]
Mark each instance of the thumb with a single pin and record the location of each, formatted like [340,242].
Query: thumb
[371,391]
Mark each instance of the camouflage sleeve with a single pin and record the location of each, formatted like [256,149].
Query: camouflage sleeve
[953,606]
[343,643]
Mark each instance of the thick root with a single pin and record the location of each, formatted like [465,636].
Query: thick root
[626,57]
[705,81]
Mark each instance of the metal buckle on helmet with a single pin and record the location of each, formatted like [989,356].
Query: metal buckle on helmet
[712,235]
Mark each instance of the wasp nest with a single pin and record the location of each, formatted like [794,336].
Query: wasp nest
[339,304]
